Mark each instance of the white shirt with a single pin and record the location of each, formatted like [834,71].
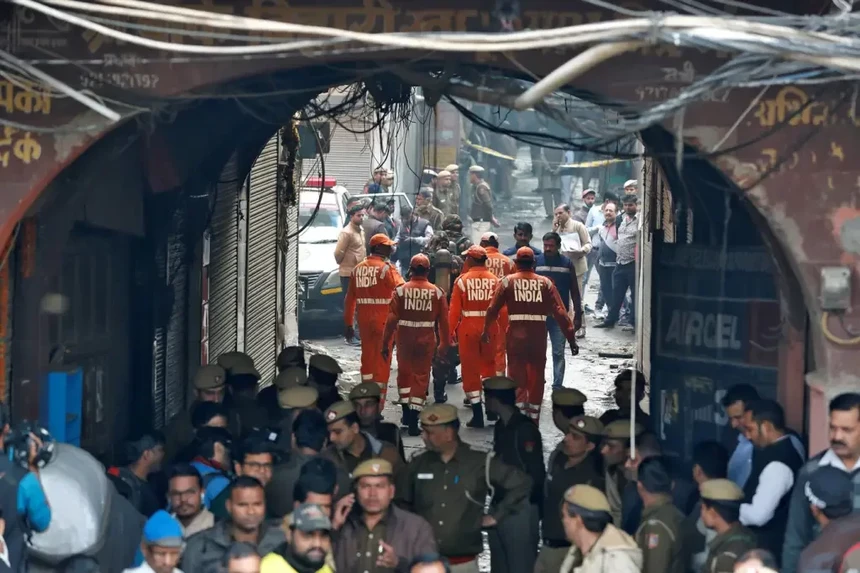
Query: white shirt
[145,568]
[775,481]
[831,459]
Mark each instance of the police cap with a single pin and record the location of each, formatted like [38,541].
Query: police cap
[568,397]
[209,377]
[291,356]
[325,363]
[229,360]
[587,425]
[587,497]
[438,414]
[373,467]
[476,169]
[620,430]
[720,490]
[499,383]
[292,376]
[452,167]
[365,390]
[444,173]
[338,411]
[298,397]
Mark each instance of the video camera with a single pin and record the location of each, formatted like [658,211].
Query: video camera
[18,444]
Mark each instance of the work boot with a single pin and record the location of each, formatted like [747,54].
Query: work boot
[477,420]
[414,430]
[404,420]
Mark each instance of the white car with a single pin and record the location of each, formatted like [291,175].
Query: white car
[320,293]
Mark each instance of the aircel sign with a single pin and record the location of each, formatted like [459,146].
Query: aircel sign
[724,330]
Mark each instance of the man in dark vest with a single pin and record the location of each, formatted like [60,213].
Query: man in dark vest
[367,400]
[767,492]
[22,499]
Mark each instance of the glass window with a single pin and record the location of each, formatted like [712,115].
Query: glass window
[328,214]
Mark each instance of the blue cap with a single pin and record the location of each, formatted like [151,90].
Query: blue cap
[163,530]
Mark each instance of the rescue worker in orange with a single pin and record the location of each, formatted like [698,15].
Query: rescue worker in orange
[371,285]
[501,266]
[529,298]
[416,310]
[470,297]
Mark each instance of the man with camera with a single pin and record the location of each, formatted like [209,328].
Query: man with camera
[22,499]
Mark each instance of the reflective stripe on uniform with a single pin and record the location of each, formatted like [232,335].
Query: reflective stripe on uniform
[505,282]
[416,401]
[416,324]
[470,313]
[372,301]
[552,269]
[399,290]
[476,394]
[367,376]
[404,391]
[527,317]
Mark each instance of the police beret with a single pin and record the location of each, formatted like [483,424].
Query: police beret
[291,376]
[365,390]
[430,172]
[568,397]
[452,167]
[721,490]
[339,410]
[588,425]
[373,467]
[476,169]
[209,377]
[438,414]
[325,363]
[631,183]
[444,173]
[620,429]
[244,369]
[298,397]
[587,497]
[499,383]
[291,356]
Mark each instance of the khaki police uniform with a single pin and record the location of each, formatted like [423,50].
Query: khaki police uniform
[561,477]
[517,442]
[268,396]
[726,547]
[247,412]
[180,432]
[567,403]
[450,495]
[373,448]
[659,538]
[613,552]
[385,431]
[615,480]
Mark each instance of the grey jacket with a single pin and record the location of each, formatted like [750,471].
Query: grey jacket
[204,550]
[801,528]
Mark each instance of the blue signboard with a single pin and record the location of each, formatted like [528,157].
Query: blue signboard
[717,323]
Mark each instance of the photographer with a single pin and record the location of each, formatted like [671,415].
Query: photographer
[21,492]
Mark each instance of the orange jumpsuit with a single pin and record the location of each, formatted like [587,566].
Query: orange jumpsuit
[370,288]
[501,266]
[416,310]
[470,299]
[529,298]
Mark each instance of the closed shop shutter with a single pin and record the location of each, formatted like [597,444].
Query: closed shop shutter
[224,263]
[349,159]
[261,311]
[176,371]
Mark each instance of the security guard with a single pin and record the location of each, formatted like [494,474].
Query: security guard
[517,443]
[209,385]
[323,371]
[615,449]
[448,483]
[659,533]
[286,378]
[567,403]
[574,462]
[367,401]
[721,509]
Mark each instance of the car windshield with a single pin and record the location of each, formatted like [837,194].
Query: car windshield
[326,224]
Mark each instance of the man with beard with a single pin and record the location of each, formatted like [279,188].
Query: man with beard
[185,493]
[379,536]
[247,522]
[615,450]
[366,399]
[574,462]
[310,534]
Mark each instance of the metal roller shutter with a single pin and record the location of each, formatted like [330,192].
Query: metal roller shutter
[350,157]
[261,311]
[224,263]
[175,356]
